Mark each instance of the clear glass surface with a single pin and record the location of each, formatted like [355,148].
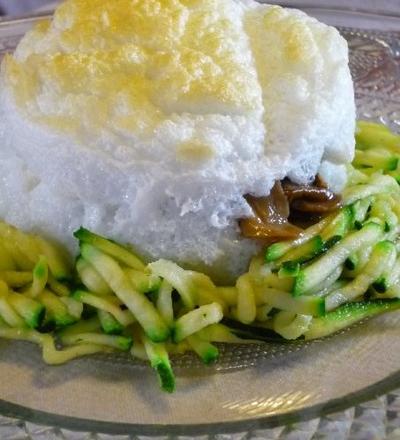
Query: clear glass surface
[253,386]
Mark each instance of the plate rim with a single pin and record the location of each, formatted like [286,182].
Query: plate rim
[45,13]
[373,391]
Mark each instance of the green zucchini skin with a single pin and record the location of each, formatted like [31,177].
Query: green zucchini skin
[349,314]
[314,274]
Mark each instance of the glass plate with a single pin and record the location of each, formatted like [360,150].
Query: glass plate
[252,387]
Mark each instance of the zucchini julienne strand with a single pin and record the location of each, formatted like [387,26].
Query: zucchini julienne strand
[274,281]
[284,297]
[372,136]
[7,262]
[377,184]
[315,273]
[3,323]
[376,159]
[338,227]
[120,253]
[109,324]
[159,360]
[21,260]
[357,260]
[334,321]
[31,311]
[75,308]
[382,258]
[205,291]
[360,210]
[177,349]
[278,250]
[289,269]
[142,309]
[260,274]
[102,303]
[290,325]
[196,320]
[314,240]
[392,292]
[40,277]
[165,303]
[389,278]
[207,352]
[24,249]
[352,261]
[92,280]
[143,282]
[220,333]
[7,312]
[56,311]
[123,343]
[228,294]
[381,208]
[138,351]
[349,314]
[246,304]
[305,305]
[58,287]
[177,277]
[16,279]
[303,252]
[50,354]
[58,263]
[83,326]
[263,312]
[326,286]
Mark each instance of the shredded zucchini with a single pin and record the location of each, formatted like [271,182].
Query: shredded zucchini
[341,270]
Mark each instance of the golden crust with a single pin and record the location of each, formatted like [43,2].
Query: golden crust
[132,62]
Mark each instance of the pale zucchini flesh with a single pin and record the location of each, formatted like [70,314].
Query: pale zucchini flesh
[207,352]
[315,273]
[92,280]
[31,311]
[383,257]
[142,309]
[195,320]
[120,253]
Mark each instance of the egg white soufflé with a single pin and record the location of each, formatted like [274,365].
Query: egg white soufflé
[148,120]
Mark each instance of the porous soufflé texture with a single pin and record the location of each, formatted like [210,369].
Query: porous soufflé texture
[148,121]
